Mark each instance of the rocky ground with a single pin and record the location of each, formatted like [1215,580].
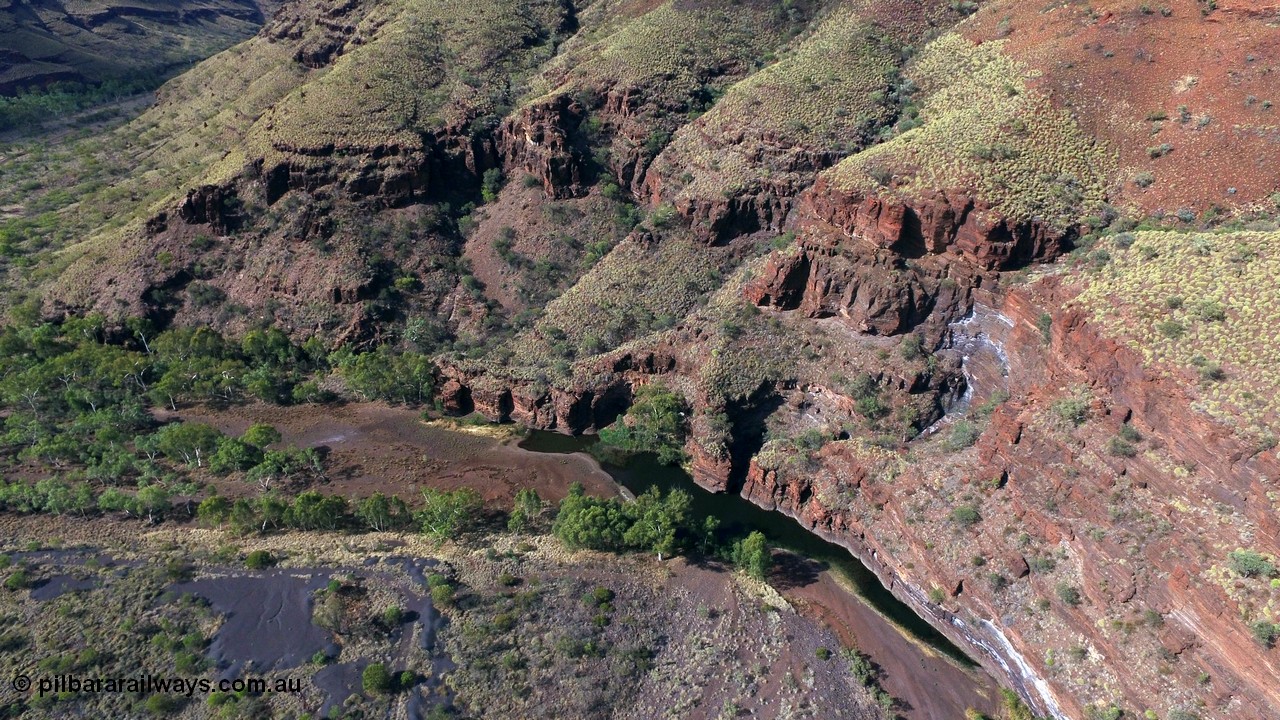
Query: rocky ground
[529,628]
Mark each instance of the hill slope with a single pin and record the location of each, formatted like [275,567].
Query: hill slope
[974,289]
[89,42]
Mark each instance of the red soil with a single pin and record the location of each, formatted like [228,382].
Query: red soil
[377,448]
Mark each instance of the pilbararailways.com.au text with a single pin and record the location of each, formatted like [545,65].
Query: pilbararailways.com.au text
[151,684]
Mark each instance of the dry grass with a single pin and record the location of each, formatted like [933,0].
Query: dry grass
[144,166]
[667,51]
[1189,303]
[419,66]
[985,130]
[633,291]
[825,98]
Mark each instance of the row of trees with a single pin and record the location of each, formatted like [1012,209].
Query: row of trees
[661,524]
[444,514]
[59,497]
[34,107]
[657,523]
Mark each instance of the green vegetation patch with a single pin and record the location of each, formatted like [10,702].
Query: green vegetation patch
[655,423]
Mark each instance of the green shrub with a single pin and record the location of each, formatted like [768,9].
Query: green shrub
[963,434]
[375,679]
[16,581]
[1014,708]
[1210,310]
[1111,712]
[203,295]
[1171,329]
[1042,563]
[445,514]
[654,423]
[599,596]
[1210,371]
[965,515]
[663,216]
[1045,324]
[490,184]
[753,555]
[442,595]
[912,347]
[1073,410]
[1265,632]
[161,704]
[1120,447]
[860,667]
[1068,593]
[259,559]
[1250,564]
[406,680]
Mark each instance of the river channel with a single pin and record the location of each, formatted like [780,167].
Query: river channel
[933,677]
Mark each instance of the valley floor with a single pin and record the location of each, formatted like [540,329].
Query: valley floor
[522,636]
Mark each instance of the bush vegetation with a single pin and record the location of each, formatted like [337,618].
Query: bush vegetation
[1197,304]
[1032,159]
[1251,564]
[656,423]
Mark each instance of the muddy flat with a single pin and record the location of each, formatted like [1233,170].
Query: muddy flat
[268,618]
[928,684]
[373,447]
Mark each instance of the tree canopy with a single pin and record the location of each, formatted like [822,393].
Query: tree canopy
[655,423]
[653,523]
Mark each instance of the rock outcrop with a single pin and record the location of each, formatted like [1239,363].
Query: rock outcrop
[872,289]
[937,223]
[1052,487]
[540,140]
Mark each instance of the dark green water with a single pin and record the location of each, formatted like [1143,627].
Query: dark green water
[739,516]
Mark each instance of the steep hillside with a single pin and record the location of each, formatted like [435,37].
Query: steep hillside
[47,41]
[979,290]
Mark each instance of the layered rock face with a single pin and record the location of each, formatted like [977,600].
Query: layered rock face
[541,141]
[573,411]
[937,223]
[887,267]
[1150,620]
